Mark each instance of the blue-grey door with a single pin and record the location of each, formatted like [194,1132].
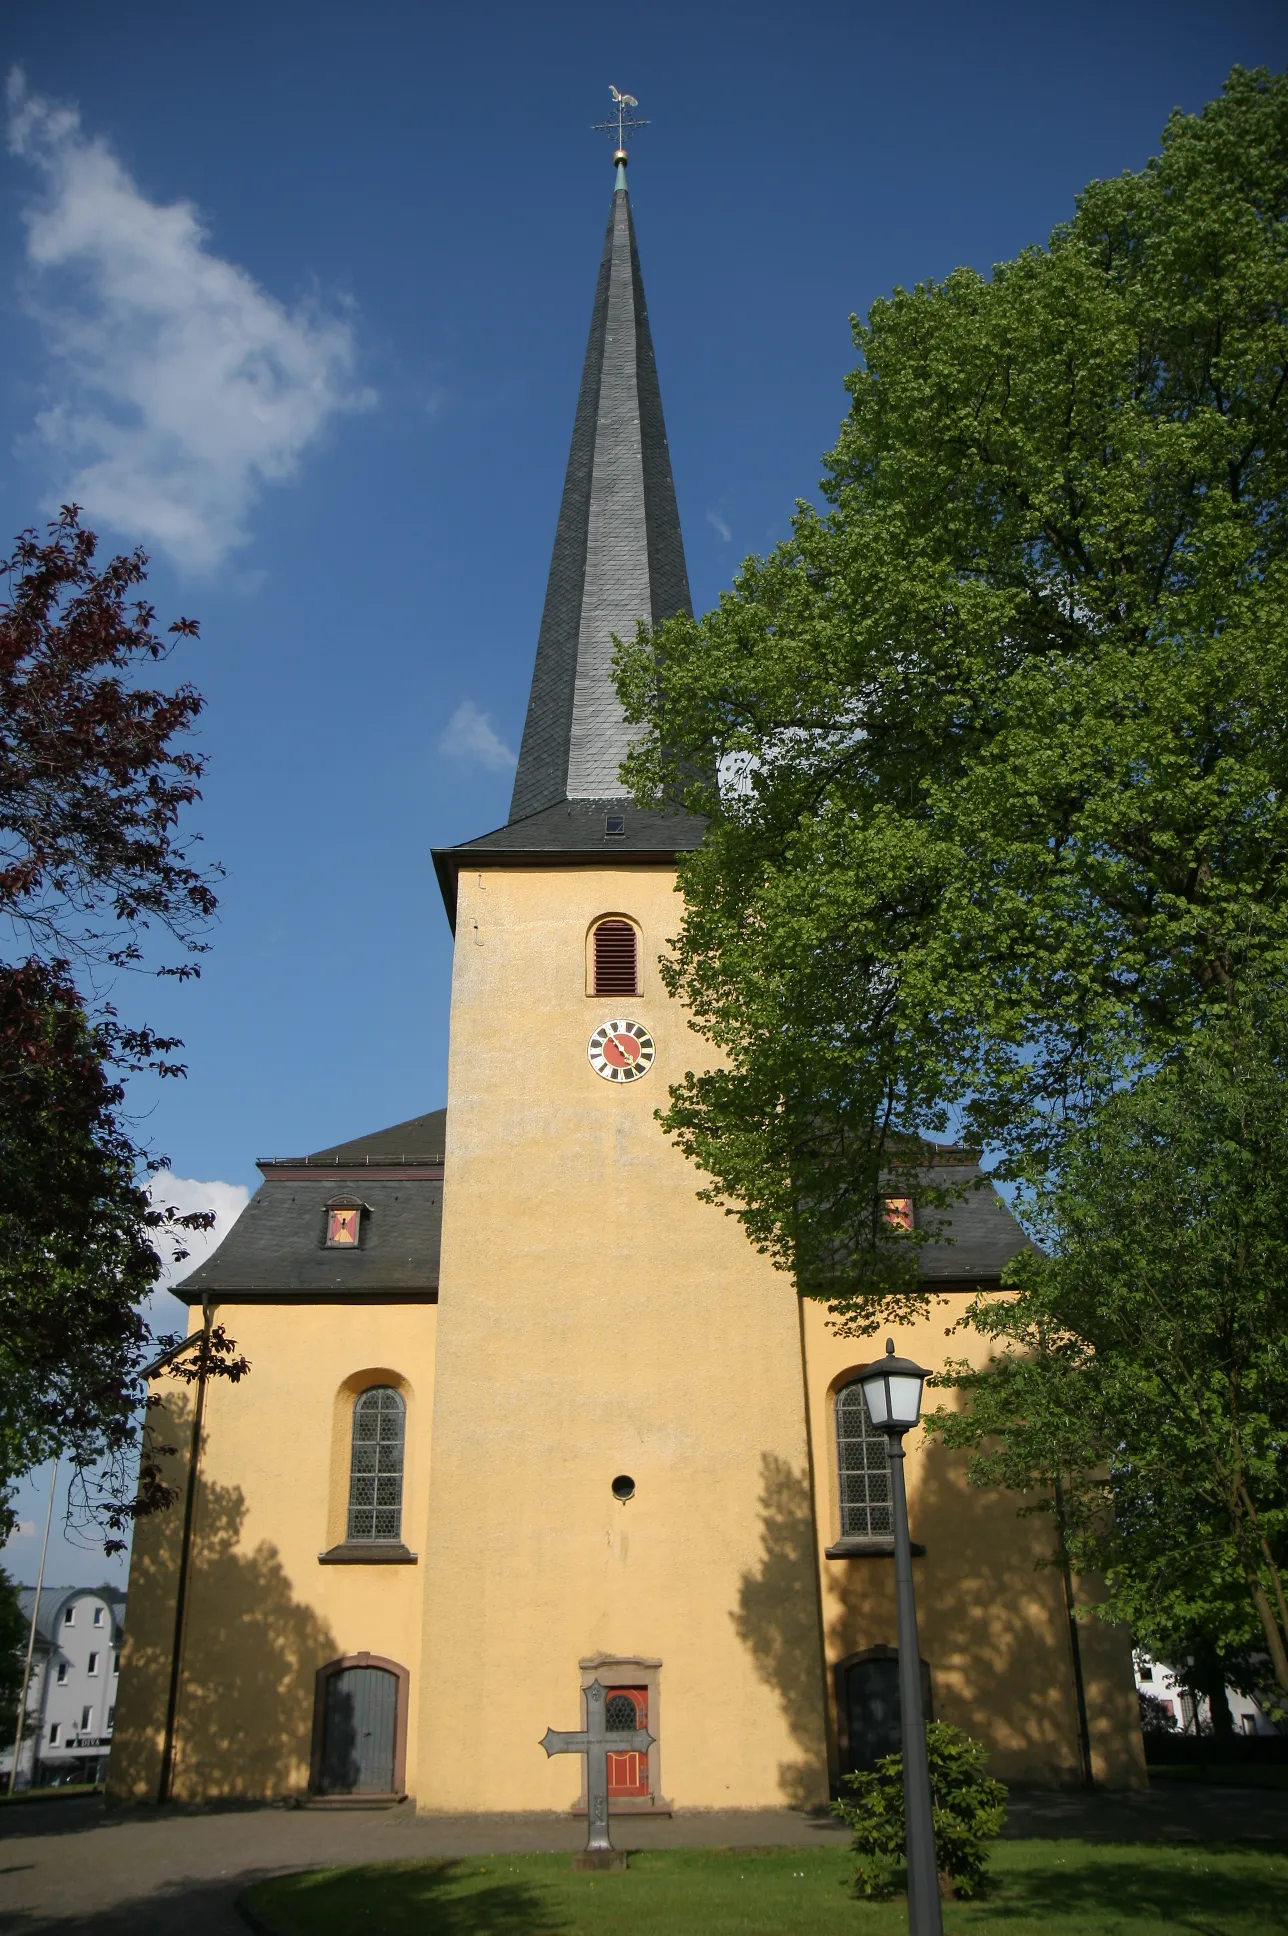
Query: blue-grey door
[358,1737]
[870,1693]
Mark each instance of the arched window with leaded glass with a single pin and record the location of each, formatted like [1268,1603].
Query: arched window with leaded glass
[863,1462]
[376,1466]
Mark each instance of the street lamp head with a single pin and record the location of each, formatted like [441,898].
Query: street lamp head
[892,1387]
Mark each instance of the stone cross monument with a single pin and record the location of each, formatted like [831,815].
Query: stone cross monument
[596,1742]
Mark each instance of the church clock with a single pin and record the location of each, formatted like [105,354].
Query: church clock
[621,1051]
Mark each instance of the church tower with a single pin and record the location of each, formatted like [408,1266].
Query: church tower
[617,1370]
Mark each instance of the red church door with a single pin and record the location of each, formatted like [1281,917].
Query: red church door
[625,1710]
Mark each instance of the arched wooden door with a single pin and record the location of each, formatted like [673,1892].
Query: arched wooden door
[360,1728]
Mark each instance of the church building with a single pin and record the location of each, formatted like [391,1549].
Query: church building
[522,1412]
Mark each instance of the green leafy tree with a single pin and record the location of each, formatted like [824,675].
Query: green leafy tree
[969,1810]
[1141,1363]
[94,780]
[13,1647]
[993,749]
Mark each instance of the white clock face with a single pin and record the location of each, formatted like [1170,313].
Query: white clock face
[621,1051]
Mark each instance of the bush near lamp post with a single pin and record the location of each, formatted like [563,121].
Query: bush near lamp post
[969,1810]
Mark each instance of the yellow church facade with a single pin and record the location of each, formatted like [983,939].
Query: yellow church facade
[523,1413]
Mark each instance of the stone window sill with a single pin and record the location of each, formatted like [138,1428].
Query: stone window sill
[361,1552]
[876,1546]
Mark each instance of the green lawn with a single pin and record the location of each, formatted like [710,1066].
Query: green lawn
[1043,1889]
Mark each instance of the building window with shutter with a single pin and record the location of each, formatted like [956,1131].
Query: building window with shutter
[376,1466]
[615,968]
[863,1465]
[344,1223]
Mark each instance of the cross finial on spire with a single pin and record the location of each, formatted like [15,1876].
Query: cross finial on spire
[620,122]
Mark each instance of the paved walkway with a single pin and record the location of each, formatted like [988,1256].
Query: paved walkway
[74,1866]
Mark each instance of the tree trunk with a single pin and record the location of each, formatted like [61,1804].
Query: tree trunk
[1208,1679]
[1274,1639]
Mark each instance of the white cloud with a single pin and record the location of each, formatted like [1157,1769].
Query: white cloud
[471,736]
[184,385]
[186,1193]
[719,526]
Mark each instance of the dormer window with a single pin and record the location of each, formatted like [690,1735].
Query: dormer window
[897,1213]
[614,825]
[344,1223]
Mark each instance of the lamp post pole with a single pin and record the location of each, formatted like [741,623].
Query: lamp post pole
[924,1918]
[892,1387]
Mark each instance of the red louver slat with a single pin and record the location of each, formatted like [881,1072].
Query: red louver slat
[616,969]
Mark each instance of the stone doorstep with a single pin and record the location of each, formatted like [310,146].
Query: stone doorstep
[629,1805]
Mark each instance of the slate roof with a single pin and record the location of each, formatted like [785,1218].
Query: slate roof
[618,553]
[420,1138]
[54,1598]
[618,558]
[276,1251]
[984,1233]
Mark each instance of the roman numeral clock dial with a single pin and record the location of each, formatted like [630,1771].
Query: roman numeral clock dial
[621,1051]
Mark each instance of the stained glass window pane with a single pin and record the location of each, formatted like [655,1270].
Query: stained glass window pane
[376,1468]
[863,1461]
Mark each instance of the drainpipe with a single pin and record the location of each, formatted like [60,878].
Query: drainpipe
[1075,1643]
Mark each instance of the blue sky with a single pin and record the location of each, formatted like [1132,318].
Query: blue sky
[296,295]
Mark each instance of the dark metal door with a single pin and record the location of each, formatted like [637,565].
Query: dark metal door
[872,1700]
[872,1714]
[358,1741]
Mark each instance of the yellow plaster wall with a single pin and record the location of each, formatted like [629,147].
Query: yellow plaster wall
[596,1319]
[993,1625]
[264,1615]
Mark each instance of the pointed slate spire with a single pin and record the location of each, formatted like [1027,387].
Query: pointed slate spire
[618,554]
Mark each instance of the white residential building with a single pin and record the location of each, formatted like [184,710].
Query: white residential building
[1160,1682]
[71,1699]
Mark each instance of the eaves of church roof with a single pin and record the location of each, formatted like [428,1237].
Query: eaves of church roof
[618,560]
[573,833]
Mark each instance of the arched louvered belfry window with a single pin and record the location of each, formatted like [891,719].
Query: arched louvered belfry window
[376,1467]
[863,1464]
[616,959]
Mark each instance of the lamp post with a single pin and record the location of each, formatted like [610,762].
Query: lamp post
[892,1388]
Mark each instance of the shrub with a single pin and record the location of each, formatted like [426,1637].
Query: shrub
[1156,1717]
[969,1810]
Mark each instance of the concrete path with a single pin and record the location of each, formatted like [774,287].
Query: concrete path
[74,1866]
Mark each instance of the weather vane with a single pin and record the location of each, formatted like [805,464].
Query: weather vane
[621,121]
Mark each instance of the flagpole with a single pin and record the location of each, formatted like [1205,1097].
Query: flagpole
[31,1634]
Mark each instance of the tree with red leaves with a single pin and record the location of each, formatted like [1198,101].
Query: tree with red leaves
[93,782]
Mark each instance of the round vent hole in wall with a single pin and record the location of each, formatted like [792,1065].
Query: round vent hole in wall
[623,1487]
